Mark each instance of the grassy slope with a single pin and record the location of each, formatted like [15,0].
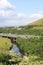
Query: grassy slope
[4,44]
[27,45]
[35,28]
[38,22]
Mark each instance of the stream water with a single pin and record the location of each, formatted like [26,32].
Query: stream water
[16,50]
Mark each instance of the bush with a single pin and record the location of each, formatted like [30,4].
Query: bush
[31,46]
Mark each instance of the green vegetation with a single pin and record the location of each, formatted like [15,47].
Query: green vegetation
[4,49]
[38,22]
[35,28]
[6,57]
[32,48]
[5,44]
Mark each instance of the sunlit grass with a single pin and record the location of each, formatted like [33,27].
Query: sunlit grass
[31,61]
[5,43]
[38,22]
[37,28]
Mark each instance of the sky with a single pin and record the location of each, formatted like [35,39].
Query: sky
[20,12]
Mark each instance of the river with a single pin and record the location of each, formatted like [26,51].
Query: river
[16,50]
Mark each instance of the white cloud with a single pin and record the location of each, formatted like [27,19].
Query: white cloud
[14,19]
[21,15]
[7,13]
[5,4]
[36,15]
[17,21]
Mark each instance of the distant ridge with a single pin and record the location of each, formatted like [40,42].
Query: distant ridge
[38,22]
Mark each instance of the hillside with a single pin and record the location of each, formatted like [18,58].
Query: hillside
[31,47]
[38,22]
[35,28]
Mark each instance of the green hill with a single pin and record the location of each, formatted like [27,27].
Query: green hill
[38,22]
[35,28]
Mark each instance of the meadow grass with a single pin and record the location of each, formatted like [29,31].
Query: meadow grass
[27,45]
[5,45]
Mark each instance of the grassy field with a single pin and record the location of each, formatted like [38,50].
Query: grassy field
[38,22]
[5,42]
[28,47]
[32,60]
[5,45]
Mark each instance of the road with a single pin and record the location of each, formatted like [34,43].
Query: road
[17,35]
